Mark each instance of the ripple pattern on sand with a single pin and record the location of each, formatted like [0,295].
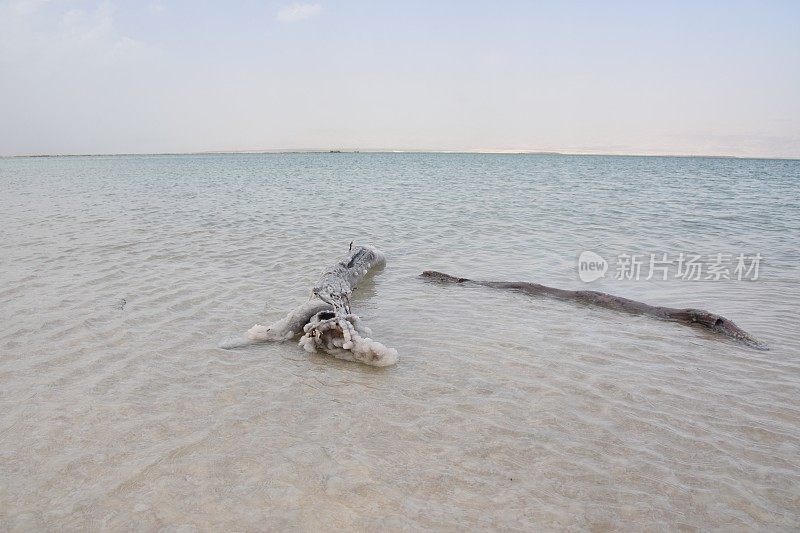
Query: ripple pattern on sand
[119,275]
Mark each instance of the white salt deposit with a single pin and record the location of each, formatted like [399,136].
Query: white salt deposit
[345,338]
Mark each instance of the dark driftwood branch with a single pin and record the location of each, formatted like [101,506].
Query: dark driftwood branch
[692,317]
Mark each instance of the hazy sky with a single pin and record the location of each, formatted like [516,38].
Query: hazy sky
[616,77]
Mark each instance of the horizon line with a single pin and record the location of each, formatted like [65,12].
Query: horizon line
[400,151]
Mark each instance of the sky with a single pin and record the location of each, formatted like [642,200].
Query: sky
[162,76]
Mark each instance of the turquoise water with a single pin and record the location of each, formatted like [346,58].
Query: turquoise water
[120,275]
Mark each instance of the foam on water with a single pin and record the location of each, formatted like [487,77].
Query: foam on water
[503,412]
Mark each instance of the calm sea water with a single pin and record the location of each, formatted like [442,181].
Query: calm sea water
[120,275]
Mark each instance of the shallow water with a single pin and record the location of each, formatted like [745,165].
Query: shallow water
[120,275]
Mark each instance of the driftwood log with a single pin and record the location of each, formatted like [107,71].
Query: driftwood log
[326,321]
[692,317]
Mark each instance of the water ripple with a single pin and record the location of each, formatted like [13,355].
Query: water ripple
[119,275]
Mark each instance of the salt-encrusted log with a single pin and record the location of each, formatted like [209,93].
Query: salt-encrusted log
[339,280]
[289,326]
[692,317]
[326,321]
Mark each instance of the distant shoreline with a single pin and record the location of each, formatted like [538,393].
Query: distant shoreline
[353,151]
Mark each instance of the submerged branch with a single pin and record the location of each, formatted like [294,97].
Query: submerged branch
[691,317]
